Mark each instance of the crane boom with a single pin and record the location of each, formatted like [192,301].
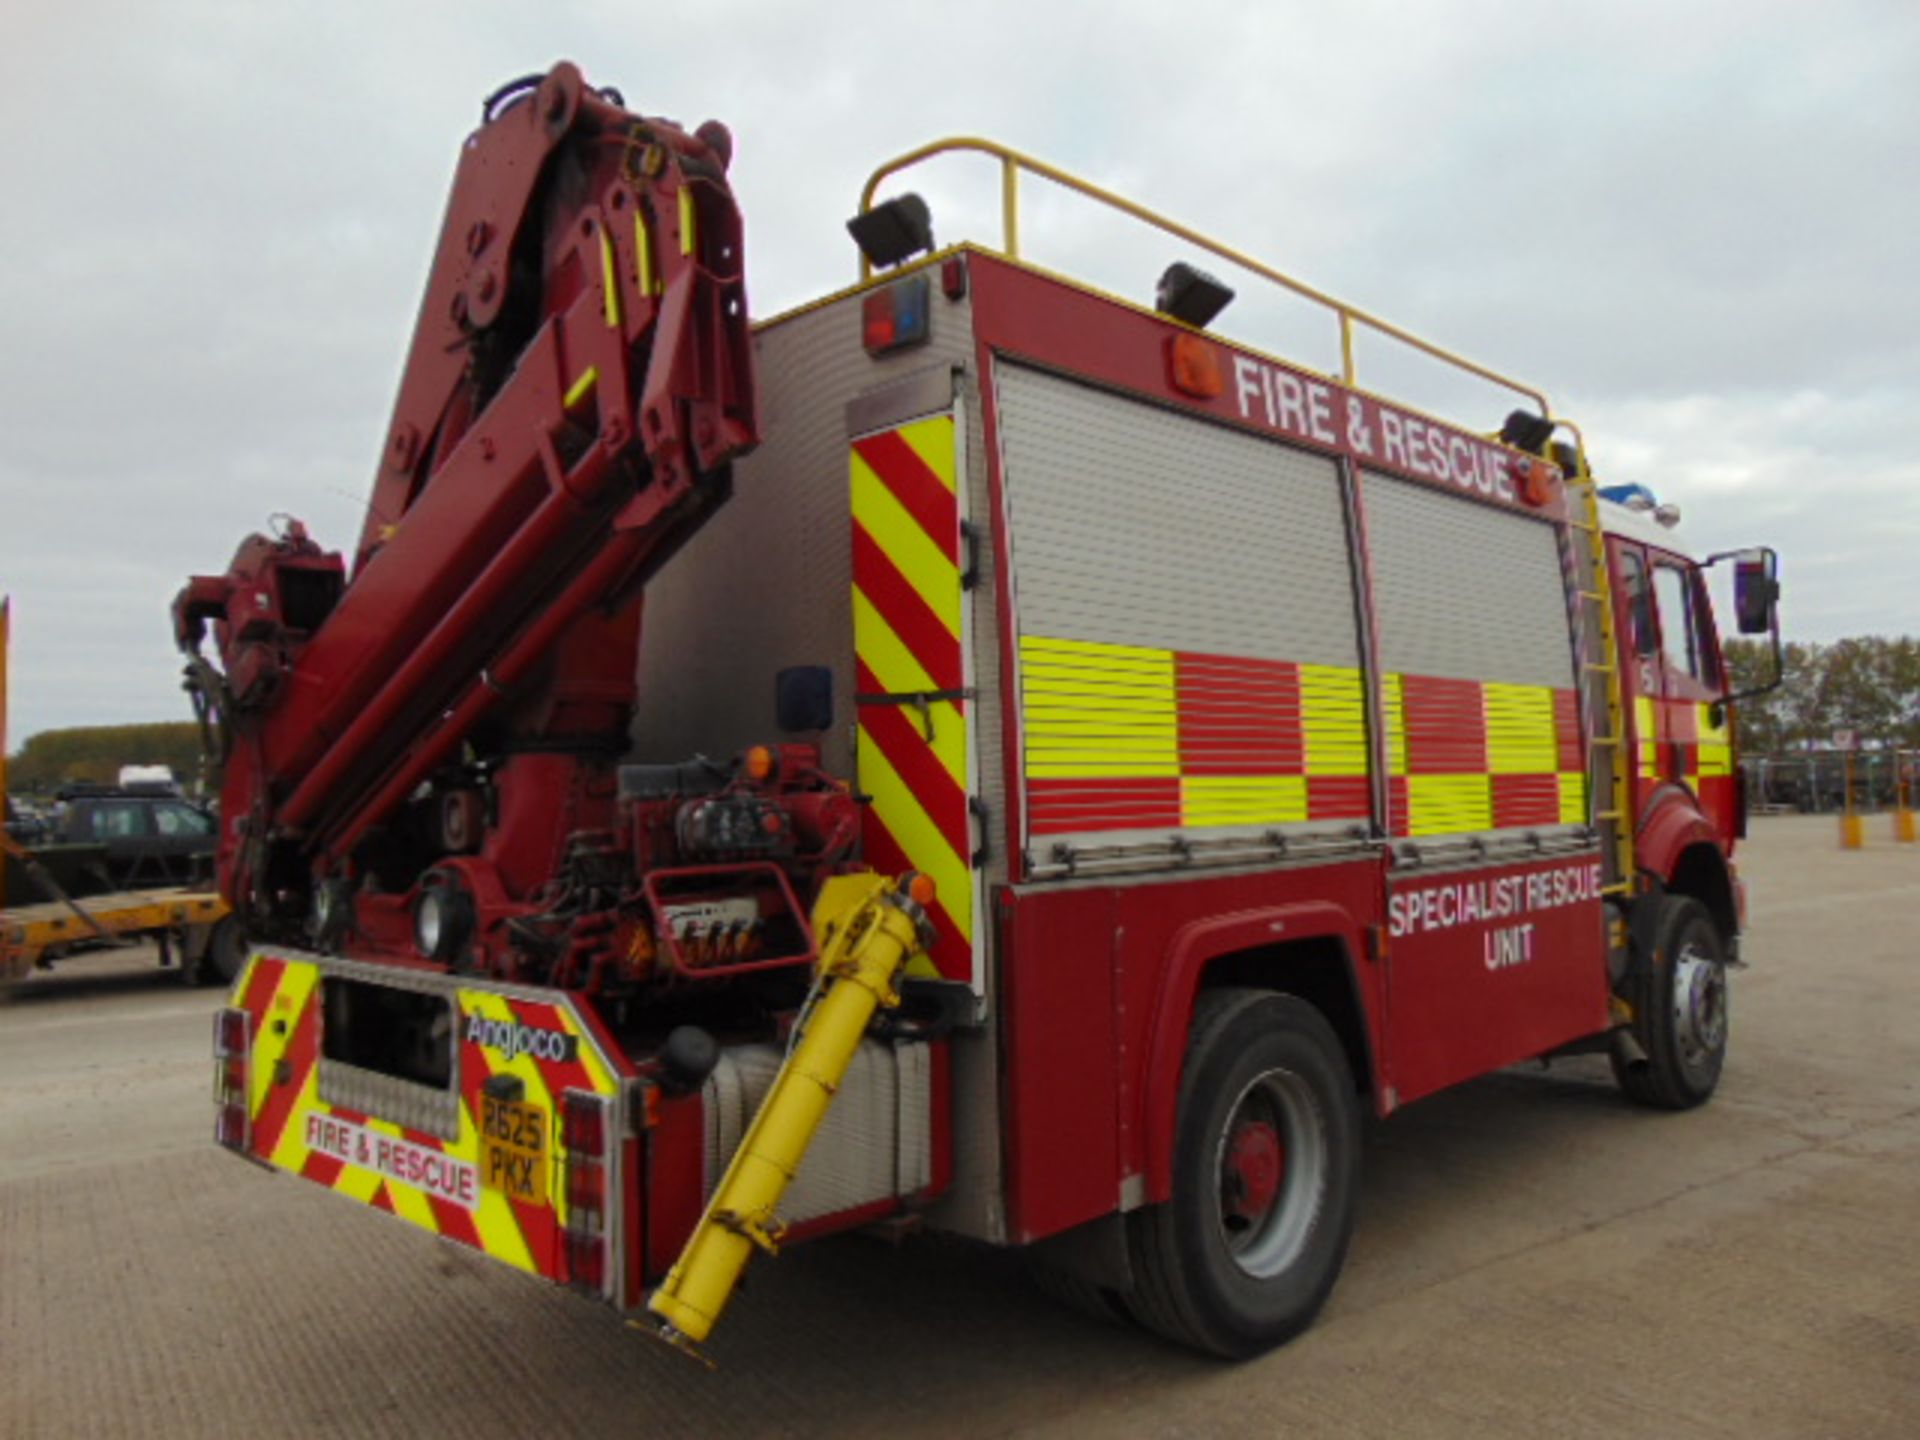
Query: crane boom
[579,379]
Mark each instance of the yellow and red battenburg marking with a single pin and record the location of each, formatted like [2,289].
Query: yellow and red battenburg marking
[1121,737]
[282,997]
[907,632]
[1469,755]
[1702,749]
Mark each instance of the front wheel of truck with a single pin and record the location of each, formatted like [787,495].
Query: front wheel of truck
[1680,1012]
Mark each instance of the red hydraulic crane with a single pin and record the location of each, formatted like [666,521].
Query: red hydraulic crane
[442,724]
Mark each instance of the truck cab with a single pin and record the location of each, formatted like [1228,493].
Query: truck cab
[1688,801]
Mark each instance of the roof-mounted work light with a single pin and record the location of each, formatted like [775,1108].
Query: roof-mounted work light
[893,231]
[1190,295]
[1525,431]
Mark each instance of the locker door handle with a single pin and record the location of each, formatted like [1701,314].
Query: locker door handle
[977,812]
[970,540]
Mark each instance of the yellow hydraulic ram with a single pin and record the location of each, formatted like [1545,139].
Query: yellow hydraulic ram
[868,928]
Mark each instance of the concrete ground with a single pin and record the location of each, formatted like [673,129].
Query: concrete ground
[1534,1257]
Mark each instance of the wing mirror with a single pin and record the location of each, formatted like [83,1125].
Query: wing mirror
[1756,590]
[1756,604]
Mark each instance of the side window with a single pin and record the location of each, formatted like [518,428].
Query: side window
[1679,642]
[179,820]
[1633,575]
[116,822]
[1706,643]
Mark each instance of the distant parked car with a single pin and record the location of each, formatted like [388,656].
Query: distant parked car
[150,840]
[26,826]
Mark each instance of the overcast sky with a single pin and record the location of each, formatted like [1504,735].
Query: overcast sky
[1697,226]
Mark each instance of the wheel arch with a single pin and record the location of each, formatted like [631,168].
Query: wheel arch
[1307,950]
[1681,850]
[1673,824]
[1701,871]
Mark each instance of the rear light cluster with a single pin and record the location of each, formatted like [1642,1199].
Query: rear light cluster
[585,1133]
[232,1032]
[896,316]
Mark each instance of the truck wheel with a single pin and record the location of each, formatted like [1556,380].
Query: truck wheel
[1266,1165]
[1679,1012]
[225,955]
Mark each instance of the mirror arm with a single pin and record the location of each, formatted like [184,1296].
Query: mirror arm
[1779,669]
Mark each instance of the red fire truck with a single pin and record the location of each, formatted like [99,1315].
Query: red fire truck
[1073,763]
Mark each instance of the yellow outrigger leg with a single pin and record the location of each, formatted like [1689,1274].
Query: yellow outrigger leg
[868,928]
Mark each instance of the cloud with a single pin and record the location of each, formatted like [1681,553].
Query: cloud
[1691,223]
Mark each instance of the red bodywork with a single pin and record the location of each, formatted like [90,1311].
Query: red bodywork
[580,376]
[1100,981]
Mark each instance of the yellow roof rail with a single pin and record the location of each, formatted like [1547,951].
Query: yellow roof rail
[1012,162]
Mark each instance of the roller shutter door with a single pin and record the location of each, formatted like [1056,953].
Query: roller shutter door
[1188,651]
[1478,684]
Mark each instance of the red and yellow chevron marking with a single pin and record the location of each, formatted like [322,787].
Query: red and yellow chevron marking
[907,636]
[1122,737]
[1469,755]
[282,996]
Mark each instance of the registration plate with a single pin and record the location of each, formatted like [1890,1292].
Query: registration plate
[513,1148]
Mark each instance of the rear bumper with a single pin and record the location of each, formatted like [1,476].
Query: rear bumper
[415,1150]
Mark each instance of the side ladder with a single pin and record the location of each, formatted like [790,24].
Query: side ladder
[1609,771]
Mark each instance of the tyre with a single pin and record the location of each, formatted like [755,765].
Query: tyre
[1679,1000]
[1266,1166]
[225,955]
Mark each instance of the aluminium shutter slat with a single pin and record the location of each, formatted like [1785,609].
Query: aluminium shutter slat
[1140,526]
[1120,532]
[1463,590]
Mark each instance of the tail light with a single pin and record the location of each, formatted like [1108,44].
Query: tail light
[585,1133]
[232,1034]
[896,316]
